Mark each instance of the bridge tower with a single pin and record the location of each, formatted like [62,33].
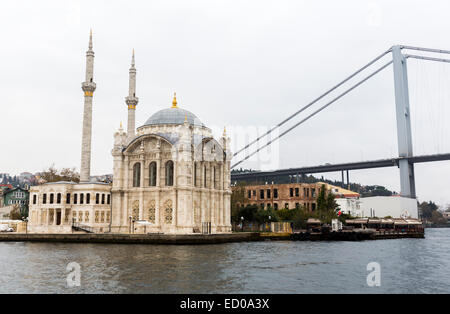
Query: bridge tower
[405,147]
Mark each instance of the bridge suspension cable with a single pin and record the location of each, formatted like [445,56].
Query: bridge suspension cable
[427,58]
[429,50]
[314,113]
[313,102]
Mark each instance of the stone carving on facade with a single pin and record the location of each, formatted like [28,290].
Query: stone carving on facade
[168,211]
[152,212]
[86,216]
[135,214]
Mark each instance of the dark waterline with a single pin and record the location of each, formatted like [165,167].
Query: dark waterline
[407,266]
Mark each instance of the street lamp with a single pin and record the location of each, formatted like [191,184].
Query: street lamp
[130,217]
[242,223]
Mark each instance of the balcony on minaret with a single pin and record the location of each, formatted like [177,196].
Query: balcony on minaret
[88,88]
[131,101]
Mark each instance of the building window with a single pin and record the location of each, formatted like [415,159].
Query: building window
[82,198]
[297,205]
[313,192]
[68,198]
[109,199]
[275,206]
[249,194]
[297,192]
[75,198]
[269,193]
[152,174]
[286,205]
[34,199]
[291,192]
[214,177]
[275,193]
[169,173]
[261,194]
[205,182]
[103,198]
[97,198]
[51,198]
[88,198]
[313,206]
[137,175]
[262,205]
[195,174]
[254,192]
[58,198]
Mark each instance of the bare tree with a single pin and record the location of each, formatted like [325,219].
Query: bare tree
[52,174]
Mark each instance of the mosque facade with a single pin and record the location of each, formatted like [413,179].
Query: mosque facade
[170,176]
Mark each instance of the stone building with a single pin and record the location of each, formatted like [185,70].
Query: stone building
[169,176]
[290,196]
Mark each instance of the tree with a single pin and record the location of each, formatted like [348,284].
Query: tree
[326,206]
[427,209]
[52,174]
[437,218]
[15,213]
[238,195]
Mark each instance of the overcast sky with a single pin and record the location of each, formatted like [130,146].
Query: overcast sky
[242,64]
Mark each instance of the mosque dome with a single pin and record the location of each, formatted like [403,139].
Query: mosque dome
[173,115]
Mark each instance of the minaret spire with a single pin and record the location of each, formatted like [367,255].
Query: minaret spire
[90,40]
[88,88]
[132,100]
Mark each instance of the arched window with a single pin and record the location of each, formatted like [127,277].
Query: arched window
[137,175]
[34,199]
[169,173]
[152,174]
[58,198]
[44,198]
[97,198]
[195,174]
[88,198]
[205,182]
[214,177]
[51,198]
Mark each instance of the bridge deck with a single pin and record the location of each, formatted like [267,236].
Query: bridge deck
[382,163]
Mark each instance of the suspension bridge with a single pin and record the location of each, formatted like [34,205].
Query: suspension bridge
[405,160]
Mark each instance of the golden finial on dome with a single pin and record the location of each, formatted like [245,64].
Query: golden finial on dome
[174,102]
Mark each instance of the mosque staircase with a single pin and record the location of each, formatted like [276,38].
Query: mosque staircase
[82,228]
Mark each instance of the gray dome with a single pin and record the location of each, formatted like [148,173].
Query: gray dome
[173,116]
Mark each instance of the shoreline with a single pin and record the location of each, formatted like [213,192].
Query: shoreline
[201,239]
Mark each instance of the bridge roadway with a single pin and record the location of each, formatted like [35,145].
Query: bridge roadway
[381,163]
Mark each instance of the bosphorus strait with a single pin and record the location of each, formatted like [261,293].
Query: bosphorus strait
[407,266]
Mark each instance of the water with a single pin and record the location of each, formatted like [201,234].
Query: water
[407,266]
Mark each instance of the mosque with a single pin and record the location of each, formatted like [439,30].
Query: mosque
[170,176]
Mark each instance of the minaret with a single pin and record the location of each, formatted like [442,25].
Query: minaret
[131,101]
[88,88]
